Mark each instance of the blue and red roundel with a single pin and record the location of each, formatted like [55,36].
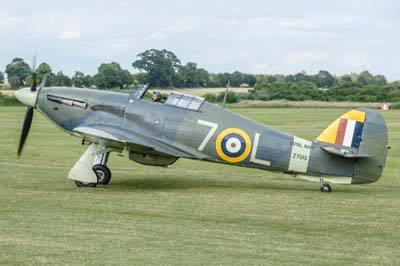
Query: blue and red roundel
[233,145]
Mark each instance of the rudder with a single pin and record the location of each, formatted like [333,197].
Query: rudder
[363,132]
[374,142]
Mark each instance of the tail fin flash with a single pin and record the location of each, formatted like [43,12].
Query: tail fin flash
[365,132]
[346,130]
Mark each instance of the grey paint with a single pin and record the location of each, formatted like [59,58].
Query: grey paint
[153,128]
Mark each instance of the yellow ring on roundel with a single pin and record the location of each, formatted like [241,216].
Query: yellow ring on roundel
[218,145]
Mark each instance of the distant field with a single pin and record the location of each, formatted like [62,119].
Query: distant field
[7,92]
[194,213]
[197,92]
[304,104]
[202,91]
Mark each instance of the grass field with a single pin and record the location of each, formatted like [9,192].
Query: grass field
[194,213]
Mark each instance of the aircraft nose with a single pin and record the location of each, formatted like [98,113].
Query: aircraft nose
[26,96]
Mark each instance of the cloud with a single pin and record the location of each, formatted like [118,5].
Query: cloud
[6,20]
[69,34]
[262,68]
[354,60]
[250,36]
[121,46]
[306,57]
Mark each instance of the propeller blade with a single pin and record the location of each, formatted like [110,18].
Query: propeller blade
[25,129]
[33,86]
[34,75]
[43,83]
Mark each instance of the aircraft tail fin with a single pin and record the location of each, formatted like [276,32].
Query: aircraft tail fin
[364,132]
[346,130]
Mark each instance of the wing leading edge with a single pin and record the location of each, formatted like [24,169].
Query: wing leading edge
[122,138]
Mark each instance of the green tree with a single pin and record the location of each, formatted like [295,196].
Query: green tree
[140,78]
[213,80]
[345,79]
[231,97]
[100,81]
[192,77]
[126,77]
[379,80]
[44,70]
[161,66]
[236,79]
[112,76]
[188,75]
[15,82]
[324,79]
[211,97]
[203,77]
[62,80]
[365,78]
[223,79]
[250,80]
[81,80]
[289,78]
[1,77]
[300,77]
[108,77]
[17,71]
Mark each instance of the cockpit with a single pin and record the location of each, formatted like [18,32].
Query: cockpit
[184,101]
[176,99]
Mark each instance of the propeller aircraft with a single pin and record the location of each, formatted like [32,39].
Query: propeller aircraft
[352,150]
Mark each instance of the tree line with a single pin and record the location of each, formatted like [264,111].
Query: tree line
[163,69]
[349,90]
[158,68]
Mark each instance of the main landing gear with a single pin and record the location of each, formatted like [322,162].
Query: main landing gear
[91,169]
[103,174]
[325,187]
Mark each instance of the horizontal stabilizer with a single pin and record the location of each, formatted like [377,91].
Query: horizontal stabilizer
[345,153]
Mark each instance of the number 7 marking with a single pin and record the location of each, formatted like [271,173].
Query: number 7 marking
[213,128]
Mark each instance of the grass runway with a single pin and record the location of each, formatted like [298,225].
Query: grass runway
[194,213]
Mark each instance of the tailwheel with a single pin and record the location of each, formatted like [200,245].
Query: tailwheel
[84,184]
[325,187]
[103,174]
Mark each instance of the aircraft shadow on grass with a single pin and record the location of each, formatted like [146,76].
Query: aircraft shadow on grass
[176,183]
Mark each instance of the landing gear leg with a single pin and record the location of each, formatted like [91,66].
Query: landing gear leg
[325,187]
[91,170]
[101,170]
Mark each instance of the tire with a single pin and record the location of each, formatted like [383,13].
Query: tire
[326,188]
[103,174]
[83,184]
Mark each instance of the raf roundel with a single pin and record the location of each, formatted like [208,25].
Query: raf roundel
[233,145]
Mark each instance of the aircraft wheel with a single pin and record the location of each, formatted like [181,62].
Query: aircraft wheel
[84,184]
[103,174]
[325,187]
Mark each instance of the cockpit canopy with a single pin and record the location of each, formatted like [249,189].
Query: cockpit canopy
[180,100]
[184,101]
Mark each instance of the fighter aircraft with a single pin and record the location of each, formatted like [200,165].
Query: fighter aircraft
[352,150]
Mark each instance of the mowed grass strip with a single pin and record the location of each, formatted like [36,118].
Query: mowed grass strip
[194,213]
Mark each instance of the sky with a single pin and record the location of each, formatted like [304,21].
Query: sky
[252,36]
